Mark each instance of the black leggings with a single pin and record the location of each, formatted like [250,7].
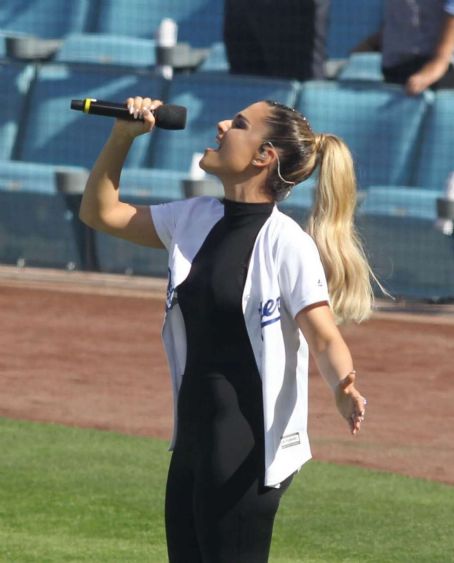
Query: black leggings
[217,509]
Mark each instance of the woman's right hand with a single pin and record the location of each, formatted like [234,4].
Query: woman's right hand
[139,107]
[350,403]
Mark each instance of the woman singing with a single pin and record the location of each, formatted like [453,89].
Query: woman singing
[250,294]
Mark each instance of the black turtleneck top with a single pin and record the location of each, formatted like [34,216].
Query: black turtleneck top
[211,296]
[221,375]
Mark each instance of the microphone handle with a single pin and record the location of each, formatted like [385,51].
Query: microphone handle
[108,109]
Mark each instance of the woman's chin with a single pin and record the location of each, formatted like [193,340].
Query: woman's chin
[204,162]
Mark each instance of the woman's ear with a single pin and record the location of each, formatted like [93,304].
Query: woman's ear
[259,159]
[264,156]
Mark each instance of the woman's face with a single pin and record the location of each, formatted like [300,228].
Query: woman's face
[239,140]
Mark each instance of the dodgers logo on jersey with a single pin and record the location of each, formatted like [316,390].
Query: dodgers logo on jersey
[171,296]
[270,312]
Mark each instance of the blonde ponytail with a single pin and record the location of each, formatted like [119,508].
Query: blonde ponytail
[331,224]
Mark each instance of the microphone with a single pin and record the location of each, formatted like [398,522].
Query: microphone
[167,116]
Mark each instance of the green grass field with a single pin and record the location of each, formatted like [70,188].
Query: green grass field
[76,495]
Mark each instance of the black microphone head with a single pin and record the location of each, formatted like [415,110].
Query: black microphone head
[170,117]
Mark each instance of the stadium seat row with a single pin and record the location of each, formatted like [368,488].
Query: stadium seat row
[396,140]
[403,148]
[199,21]
[141,53]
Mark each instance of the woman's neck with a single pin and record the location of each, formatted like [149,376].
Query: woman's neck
[248,192]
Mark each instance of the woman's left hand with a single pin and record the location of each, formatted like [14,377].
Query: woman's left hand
[350,403]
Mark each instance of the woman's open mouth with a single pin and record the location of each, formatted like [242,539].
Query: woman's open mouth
[211,149]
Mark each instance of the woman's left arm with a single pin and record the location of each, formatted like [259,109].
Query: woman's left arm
[334,361]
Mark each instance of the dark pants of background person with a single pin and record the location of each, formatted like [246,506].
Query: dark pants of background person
[279,38]
[399,74]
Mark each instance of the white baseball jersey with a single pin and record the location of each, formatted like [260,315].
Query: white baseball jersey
[285,275]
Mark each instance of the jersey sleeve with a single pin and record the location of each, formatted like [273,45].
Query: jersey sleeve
[165,217]
[302,278]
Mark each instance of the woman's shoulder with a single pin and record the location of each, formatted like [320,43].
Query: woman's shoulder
[204,201]
[290,242]
[181,209]
[203,207]
[199,202]
[290,231]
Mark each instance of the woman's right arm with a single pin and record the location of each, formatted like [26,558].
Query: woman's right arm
[101,207]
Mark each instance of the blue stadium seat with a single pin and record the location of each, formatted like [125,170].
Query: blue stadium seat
[152,184]
[3,36]
[39,224]
[379,122]
[15,80]
[57,135]
[119,50]
[362,66]
[436,144]
[409,255]
[211,97]
[36,224]
[350,22]
[41,229]
[36,230]
[401,201]
[27,177]
[199,21]
[44,18]
[217,58]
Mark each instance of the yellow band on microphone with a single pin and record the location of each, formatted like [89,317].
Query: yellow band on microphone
[87,104]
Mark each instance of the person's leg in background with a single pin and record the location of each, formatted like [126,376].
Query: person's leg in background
[284,39]
[244,51]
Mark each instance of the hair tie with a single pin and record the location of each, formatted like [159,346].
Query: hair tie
[319,142]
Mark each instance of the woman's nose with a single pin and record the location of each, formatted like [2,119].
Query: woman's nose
[224,126]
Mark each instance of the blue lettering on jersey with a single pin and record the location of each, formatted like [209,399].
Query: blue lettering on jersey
[270,311]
